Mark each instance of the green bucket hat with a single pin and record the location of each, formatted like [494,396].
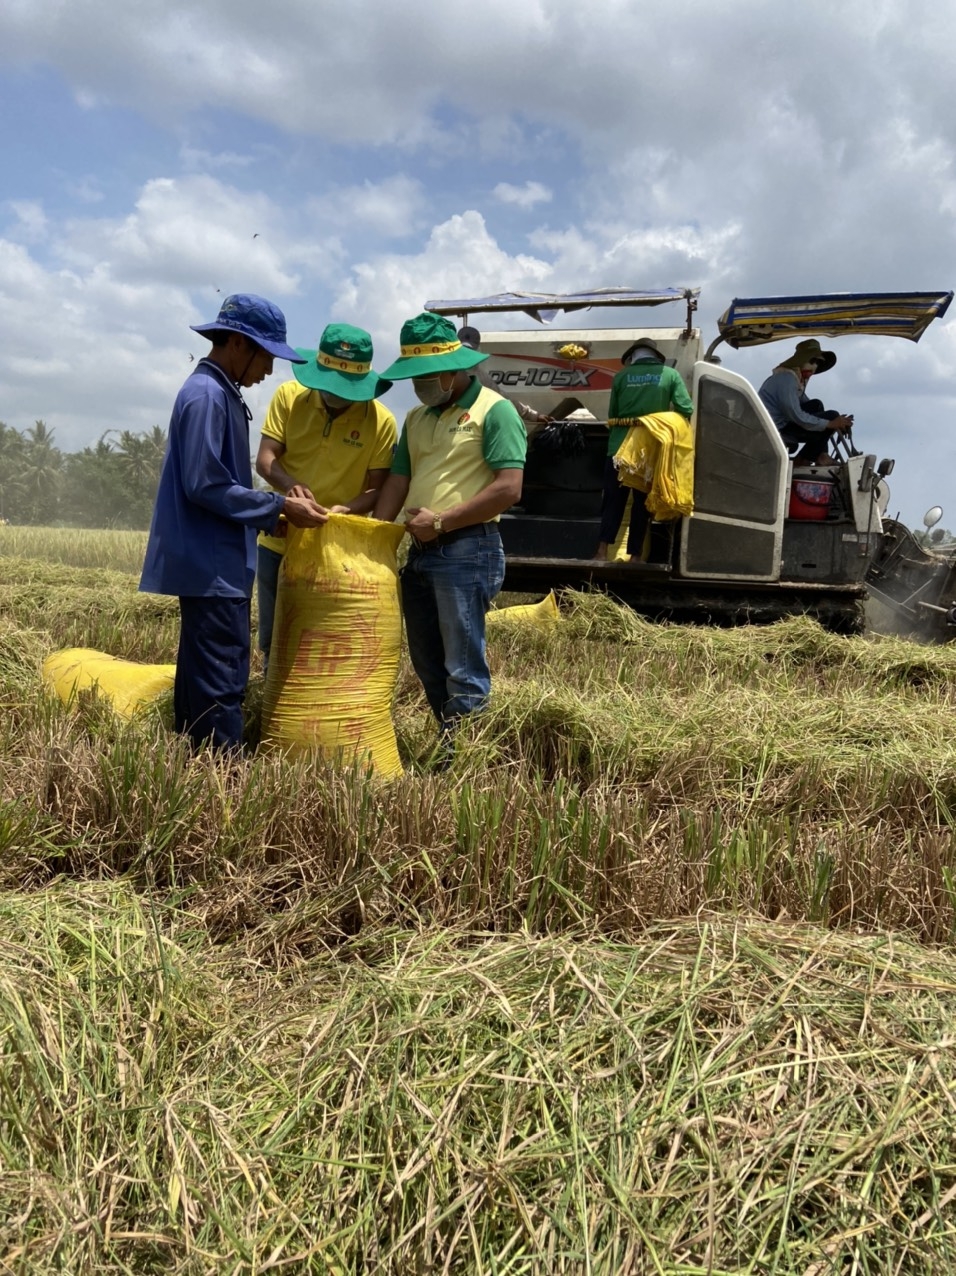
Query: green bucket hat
[342,365]
[430,345]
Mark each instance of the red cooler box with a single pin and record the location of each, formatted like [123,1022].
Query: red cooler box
[810,498]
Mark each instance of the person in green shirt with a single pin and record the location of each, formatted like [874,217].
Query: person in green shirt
[458,466]
[644,385]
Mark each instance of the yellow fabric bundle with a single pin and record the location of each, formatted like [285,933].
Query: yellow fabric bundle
[336,643]
[541,615]
[126,684]
[657,457]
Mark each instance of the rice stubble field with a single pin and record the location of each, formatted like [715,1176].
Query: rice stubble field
[659,977]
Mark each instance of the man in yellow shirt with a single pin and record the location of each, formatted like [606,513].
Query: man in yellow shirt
[325,436]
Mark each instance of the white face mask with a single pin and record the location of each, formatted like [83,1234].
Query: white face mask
[432,393]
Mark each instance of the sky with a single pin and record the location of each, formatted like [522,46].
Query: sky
[351,161]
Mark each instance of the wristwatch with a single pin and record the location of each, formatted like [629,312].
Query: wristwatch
[437,524]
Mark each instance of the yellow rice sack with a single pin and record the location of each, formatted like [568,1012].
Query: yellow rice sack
[336,643]
[541,615]
[126,684]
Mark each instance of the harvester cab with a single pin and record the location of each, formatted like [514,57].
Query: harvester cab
[765,538]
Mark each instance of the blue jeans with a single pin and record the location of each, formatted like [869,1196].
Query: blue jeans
[447,589]
[268,563]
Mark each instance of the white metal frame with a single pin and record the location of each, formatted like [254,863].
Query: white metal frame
[723,376]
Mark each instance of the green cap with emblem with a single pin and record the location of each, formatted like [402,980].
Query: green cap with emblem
[429,345]
[342,365]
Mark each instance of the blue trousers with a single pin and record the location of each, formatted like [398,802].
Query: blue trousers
[212,670]
[447,589]
[268,564]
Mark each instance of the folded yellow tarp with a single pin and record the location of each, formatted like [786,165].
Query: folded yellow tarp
[336,642]
[541,615]
[657,457]
[126,684]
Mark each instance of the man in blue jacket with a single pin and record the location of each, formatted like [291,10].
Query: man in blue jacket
[202,542]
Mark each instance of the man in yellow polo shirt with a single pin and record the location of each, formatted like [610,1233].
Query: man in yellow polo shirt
[459,464]
[325,436]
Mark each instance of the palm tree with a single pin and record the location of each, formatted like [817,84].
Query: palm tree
[41,473]
[92,488]
[11,478]
[140,458]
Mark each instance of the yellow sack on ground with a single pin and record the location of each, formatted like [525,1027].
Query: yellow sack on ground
[541,615]
[657,457]
[126,684]
[336,643]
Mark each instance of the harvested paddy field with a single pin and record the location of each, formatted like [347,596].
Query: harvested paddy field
[658,978]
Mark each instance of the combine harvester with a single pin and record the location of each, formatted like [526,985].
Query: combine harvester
[765,540]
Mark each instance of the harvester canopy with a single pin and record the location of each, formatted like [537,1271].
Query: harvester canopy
[544,306]
[754,321]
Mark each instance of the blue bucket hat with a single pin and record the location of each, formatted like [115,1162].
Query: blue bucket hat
[255,318]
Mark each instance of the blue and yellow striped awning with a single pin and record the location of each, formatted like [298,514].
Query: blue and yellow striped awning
[753,321]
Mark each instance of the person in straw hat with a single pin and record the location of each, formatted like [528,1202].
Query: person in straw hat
[202,541]
[805,426]
[459,464]
[327,437]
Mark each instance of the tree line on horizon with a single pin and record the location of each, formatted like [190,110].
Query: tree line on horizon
[109,484]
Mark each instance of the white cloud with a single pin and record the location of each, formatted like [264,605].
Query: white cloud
[742,157]
[525,196]
[460,258]
[197,160]
[194,232]
[391,208]
[98,336]
[374,79]
[31,220]
[663,256]
[86,352]
[86,190]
